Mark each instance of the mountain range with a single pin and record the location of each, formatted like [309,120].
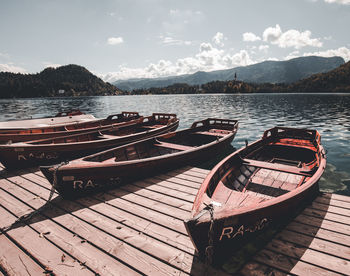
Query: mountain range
[269,76]
[336,80]
[287,71]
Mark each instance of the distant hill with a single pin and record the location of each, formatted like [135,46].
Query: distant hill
[69,80]
[265,72]
[337,80]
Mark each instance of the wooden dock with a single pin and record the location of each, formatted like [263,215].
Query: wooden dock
[138,230]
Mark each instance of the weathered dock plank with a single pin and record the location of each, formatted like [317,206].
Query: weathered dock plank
[288,265]
[54,229]
[258,269]
[41,248]
[307,255]
[316,242]
[138,229]
[15,260]
[316,232]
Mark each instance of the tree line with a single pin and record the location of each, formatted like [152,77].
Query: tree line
[337,80]
[74,80]
[69,80]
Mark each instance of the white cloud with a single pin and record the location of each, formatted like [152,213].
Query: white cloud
[341,52]
[50,64]
[12,68]
[250,37]
[342,2]
[184,13]
[115,40]
[161,68]
[290,38]
[218,39]
[168,40]
[272,34]
[208,58]
[292,55]
[241,58]
[272,59]
[264,48]
[4,56]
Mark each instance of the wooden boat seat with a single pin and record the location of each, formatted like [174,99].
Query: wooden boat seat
[265,190]
[295,142]
[152,126]
[214,132]
[106,136]
[276,167]
[173,146]
[277,179]
[236,199]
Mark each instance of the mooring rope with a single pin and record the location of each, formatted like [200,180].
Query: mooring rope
[27,217]
[209,250]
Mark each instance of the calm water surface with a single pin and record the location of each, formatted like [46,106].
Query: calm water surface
[328,113]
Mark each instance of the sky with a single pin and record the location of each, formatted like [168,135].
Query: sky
[123,39]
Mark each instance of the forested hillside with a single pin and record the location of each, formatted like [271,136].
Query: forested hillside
[69,80]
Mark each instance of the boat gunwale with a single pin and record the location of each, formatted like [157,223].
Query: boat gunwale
[30,145]
[11,132]
[148,159]
[224,213]
[86,118]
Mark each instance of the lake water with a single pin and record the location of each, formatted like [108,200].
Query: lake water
[328,113]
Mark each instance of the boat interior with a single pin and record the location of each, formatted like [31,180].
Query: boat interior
[266,172]
[109,133]
[112,119]
[165,144]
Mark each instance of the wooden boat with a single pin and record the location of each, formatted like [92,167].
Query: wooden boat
[256,185]
[61,118]
[135,160]
[30,134]
[53,150]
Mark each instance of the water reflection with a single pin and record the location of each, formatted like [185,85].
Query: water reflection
[330,114]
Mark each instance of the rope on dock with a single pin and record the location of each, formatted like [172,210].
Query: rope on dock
[24,218]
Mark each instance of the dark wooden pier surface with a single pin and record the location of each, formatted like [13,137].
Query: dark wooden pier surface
[138,229]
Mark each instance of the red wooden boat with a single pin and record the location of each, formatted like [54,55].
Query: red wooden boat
[38,133]
[61,118]
[54,150]
[133,161]
[256,185]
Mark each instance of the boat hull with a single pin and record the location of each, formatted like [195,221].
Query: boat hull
[72,128]
[288,165]
[105,170]
[45,122]
[22,155]
[75,183]
[231,228]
